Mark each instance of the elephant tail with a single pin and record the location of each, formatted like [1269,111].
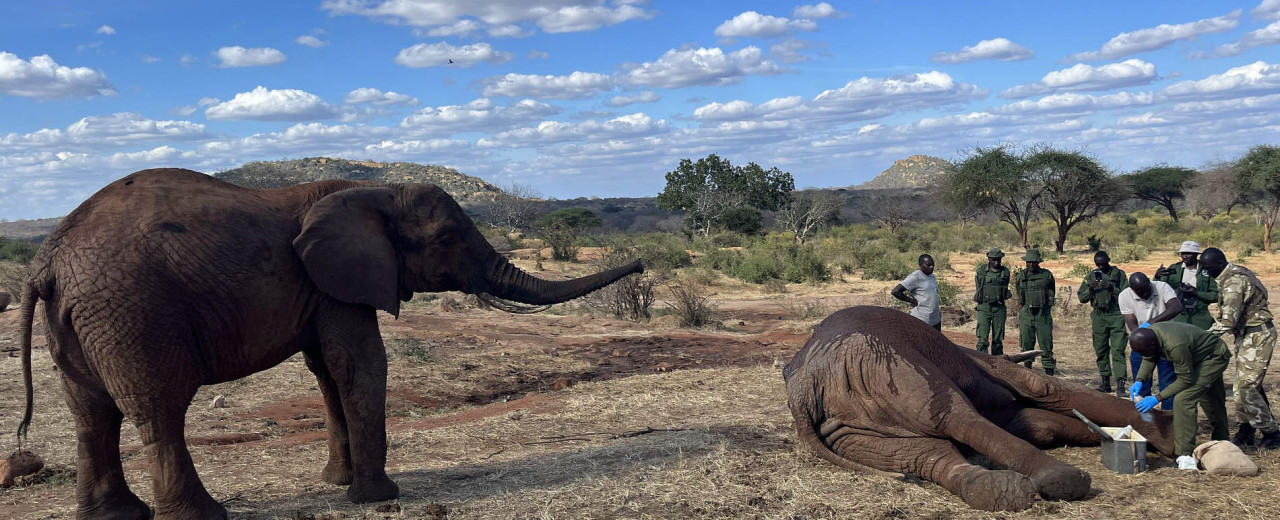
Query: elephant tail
[29,298]
[809,437]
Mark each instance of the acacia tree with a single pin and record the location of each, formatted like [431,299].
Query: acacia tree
[1162,185]
[996,179]
[709,188]
[808,212]
[1076,188]
[515,207]
[1258,184]
[1213,191]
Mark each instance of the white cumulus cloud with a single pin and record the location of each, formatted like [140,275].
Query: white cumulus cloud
[238,56]
[477,115]
[578,85]
[1269,35]
[1082,77]
[1254,78]
[814,12]
[751,24]
[377,97]
[702,66]
[647,96]
[310,41]
[1000,49]
[262,104]
[105,29]
[1158,37]
[498,17]
[1267,10]
[439,54]
[43,78]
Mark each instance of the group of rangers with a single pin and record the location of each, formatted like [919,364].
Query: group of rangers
[1167,323]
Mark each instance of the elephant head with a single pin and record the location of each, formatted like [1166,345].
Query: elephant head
[379,245]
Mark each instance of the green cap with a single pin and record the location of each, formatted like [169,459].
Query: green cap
[1033,255]
[995,252]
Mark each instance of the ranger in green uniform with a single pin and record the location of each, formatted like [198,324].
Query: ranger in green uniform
[1244,312]
[992,289]
[1100,289]
[1035,320]
[1196,288]
[1199,358]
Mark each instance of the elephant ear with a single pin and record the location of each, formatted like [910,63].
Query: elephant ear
[346,249]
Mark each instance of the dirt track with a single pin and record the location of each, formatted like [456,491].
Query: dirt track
[493,415]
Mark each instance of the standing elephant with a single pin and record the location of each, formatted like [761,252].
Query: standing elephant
[169,279]
[878,391]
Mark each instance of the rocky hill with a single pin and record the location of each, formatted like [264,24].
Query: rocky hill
[917,171]
[464,188]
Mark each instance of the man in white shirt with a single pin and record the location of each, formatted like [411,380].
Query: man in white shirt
[1143,303]
[920,289]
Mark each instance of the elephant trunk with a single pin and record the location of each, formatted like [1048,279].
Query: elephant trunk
[509,282]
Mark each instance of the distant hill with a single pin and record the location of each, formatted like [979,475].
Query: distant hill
[36,228]
[917,171]
[464,188]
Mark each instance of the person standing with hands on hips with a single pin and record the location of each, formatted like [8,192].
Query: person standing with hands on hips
[992,283]
[923,297]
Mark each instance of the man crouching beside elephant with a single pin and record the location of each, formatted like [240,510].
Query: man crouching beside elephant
[877,391]
[169,279]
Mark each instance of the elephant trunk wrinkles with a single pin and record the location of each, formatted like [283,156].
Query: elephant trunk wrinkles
[507,281]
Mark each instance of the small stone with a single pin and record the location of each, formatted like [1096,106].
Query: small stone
[19,464]
[436,511]
[779,363]
[219,402]
[663,367]
[388,508]
[560,384]
[621,353]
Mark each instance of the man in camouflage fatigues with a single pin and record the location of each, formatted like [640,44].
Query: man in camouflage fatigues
[1035,320]
[1100,289]
[1243,311]
[992,289]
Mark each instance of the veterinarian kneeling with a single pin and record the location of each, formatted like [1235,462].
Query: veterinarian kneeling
[1198,358]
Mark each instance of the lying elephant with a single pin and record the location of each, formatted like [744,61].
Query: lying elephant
[878,391]
[166,280]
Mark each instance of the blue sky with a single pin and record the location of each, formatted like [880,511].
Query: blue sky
[603,97]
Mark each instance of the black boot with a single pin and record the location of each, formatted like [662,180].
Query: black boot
[1271,441]
[1105,386]
[1122,388]
[1245,437]
[1048,371]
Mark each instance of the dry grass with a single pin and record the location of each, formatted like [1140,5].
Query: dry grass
[475,427]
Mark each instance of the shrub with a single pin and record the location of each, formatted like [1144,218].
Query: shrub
[727,240]
[947,292]
[1209,236]
[1079,271]
[1095,243]
[1129,253]
[742,219]
[689,302]
[805,266]
[756,268]
[888,267]
[721,259]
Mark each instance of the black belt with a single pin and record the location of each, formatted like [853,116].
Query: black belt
[1258,328]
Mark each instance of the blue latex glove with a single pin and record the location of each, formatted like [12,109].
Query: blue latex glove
[1147,403]
[1144,325]
[1135,389]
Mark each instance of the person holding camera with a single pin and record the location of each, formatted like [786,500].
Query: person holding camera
[992,283]
[1100,289]
[1143,304]
[1196,288]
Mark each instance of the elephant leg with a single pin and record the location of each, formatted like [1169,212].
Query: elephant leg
[178,490]
[938,461]
[1047,429]
[101,491]
[352,351]
[338,469]
[1055,480]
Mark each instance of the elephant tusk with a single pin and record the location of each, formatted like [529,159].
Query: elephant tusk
[508,306]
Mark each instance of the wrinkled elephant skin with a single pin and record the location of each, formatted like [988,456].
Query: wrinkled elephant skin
[878,391]
[169,279]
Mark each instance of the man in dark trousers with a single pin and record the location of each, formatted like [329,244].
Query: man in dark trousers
[1035,288]
[1100,289]
[992,283]
[1199,358]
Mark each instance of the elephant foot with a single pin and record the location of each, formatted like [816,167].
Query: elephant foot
[374,490]
[998,490]
[199,508]
[338,473]
[1062,482]
[123,506]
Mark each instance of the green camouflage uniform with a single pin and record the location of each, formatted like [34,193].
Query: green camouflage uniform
[992,291]
[1242,311]
[1199,358]
[1035,320]
[1197,313]
[1109,332]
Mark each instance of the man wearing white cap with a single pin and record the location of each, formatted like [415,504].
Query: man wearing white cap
[1196,288]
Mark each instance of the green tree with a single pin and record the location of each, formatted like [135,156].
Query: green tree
[742,219]
[1258,184]
[1162,185]
[708,188]
[993,179]
[562,228]
[1076,188]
